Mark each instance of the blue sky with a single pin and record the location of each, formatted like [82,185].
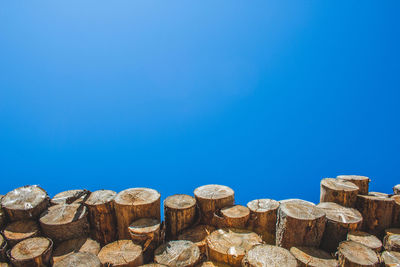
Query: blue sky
[267,97]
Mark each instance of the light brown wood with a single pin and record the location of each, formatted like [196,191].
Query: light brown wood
[392,231]
[63,222]
[230,245]
[211,198]
[198,235]
[180,253]
[396,189]
[25,203]
[212,264]
[35,251]
[391,259]
[153,265]
[79,259]
[268,255]
[361,181]
[299,223]
[392,242]
[4,264]
[396,211]
[71,246]
[76,196]
[3,248]
[312,257]
[365,239]
[122,253]
[101,216]
[135,203]
[262,220]
[20,230]
[353,254]
[146,232]
[339,191]
[377,212]
[235,216]
[179,213]
[340,220]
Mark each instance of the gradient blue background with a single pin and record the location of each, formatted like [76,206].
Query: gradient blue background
[267,97]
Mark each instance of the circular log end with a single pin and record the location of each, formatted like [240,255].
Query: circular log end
[137,196]
[365,239]
[177,253]
[391,258]
[301,210]
[79,259]
[100,197]
[71,246]
[20,230]
[351,252]
[144,226]
[212,264]
[339,185]
[197,235]
[337,213]
[213,191]
[30,249]
[263,205]
[268,255]
[236,211]
[313,257]
[63,214]
[180,202]
[121,252]
[71,196]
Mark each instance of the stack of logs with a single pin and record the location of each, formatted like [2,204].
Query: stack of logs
[349,227]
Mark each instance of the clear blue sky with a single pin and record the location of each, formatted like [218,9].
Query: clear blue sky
[267,97]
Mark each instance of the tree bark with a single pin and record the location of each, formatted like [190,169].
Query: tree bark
[3,218]
[198,235]
[339,191]
[263,213]
[135,203]
[146,232]
[396,211]
[72,246]
[340,220]
[353,254]
[235,216]
[179,214]
[20,230]
[122,253]
[25,203]
[79,259]
[313,257]
[180,253]
[102,216]
[365,239]
[299,224]
[268,255]
[361,181]
[76,196]
[32,252]
[63,222]
[3,248]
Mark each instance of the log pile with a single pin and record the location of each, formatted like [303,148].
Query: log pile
[349,227]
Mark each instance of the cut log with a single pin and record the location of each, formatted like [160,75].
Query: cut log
[299,224]
[211,198]
[20,230]
[25,203]
[235,216]
[79,259]
[268,255]
[339,191]
[361,181]
[392,243]
[146,232]
[230,245]
[3,248]
[365,239]
[212,264]
[340,220]
[396,189]
[377,213]
[312,257]
[102,216]
[122,253]
[180,253]
[391,258]
[396,211]
[72,246]
[392,231]
[63,222]
[77,196]
[35,251]
[353,254]
[180,213]
[135,203]
[198,235]
[262,220]
[153,265]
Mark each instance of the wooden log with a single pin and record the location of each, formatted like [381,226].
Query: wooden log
[339,191]
[198,235]
[179,213]
[4,264]
[72,246]
[365,239]
[361,181]
[392,231]
[268,255]
[135,203]
[153,265]
[3,248]
[377,213]
[396,189]
[353,254]
[299,224]
[211,198]
[146,232]
[122,253]
[340,220]
[312,257]
[63,222]
[3,218]
[76,196]
[35,251]
[102,216]
[235,216]
[20,230]
[392,243]
[25,203]
[390,258]
[180,253]
[79,259]
[262,220]
[396,211]
[211,264]
[230,245]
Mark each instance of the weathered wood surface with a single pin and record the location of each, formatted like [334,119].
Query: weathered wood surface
[71,246]
[339,191]
[235,216]
[365,239]
[390,259]
[353,254]
[146,232]
[35,252]
[76,196]
[361,181]
[198,235]
[312,257]
[79,259]
[122,253]
[176,253]
[179,214]
[20,230]
[392,242]
[268,255]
